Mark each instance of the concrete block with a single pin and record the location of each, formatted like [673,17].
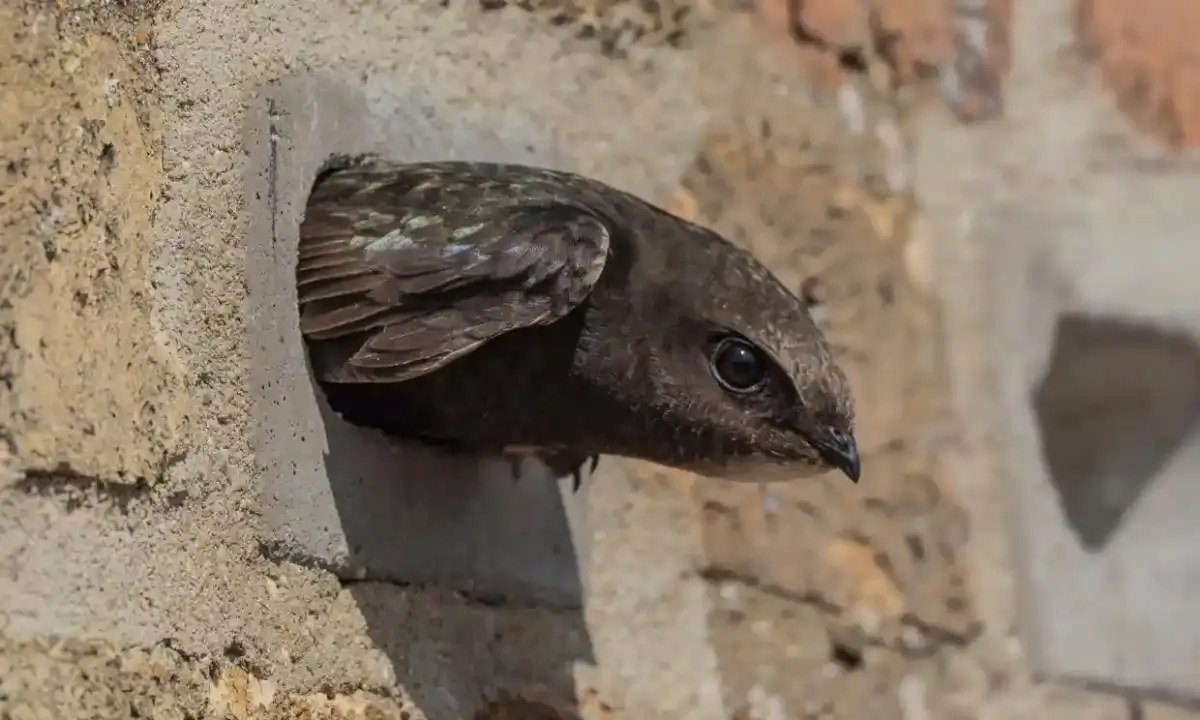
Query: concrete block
[1101,404]
[1066,255]
[342,497]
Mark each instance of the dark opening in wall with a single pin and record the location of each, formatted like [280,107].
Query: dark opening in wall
[1118,401]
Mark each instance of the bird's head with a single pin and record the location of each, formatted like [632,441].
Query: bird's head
[744,373]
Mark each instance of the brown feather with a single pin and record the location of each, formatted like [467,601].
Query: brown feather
[487,306]
[428,267]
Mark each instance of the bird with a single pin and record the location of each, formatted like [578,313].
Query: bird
[514,311]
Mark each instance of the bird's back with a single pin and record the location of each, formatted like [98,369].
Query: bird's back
[523,383]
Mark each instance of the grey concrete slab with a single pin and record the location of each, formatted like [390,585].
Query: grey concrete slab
[1101,407]
[342,497]
[1067,254]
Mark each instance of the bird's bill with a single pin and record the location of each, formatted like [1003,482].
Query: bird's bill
[842,453]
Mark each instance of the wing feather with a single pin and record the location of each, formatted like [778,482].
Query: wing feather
[427,279]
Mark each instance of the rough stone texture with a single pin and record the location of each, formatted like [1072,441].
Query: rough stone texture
[614,28]
[78,281]
[80,679]
[1146,58]
[836,583]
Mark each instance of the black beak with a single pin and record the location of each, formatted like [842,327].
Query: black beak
[841,452]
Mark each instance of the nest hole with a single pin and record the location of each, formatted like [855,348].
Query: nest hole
[1118,401]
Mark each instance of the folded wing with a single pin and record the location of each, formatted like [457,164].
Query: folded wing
[423,285]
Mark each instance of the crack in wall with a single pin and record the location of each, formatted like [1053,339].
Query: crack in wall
[76,489]
[350,576]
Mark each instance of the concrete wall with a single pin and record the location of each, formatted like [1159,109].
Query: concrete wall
[185,533]
[1064,235]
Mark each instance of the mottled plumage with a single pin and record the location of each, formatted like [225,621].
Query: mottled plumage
[504,309]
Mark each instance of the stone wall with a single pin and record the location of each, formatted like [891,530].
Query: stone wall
[944,180]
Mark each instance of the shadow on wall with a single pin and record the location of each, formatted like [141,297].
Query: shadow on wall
[497,624]
[1117,403]
[511,627]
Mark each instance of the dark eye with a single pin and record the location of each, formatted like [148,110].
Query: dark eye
[738,365]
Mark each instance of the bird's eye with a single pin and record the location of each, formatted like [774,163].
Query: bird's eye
[738,365]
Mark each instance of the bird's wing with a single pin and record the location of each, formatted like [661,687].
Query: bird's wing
[424,289]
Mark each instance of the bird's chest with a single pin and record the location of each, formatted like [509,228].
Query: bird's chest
[522,388]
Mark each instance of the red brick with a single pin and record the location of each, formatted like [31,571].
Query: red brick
[919,40]
[838,24]
[915,35]
[918,35]
[1146,54]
